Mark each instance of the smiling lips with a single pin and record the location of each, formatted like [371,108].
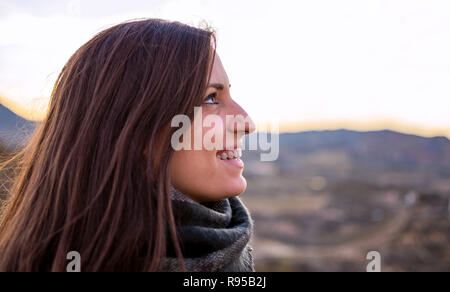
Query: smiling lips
[231,158]
[229,154]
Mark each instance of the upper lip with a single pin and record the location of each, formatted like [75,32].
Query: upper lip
[231,148]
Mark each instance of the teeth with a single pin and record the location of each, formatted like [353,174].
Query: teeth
[237,153]
[230,154]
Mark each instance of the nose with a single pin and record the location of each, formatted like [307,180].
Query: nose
[246,123]
[242,123]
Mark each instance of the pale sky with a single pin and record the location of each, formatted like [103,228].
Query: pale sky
[312,64]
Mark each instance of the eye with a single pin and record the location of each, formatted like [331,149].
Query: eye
[211,99]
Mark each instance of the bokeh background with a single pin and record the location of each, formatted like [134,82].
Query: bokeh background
[360,90]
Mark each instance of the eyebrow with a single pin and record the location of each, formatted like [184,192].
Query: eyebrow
[218,86]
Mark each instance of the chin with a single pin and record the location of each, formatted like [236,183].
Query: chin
[236,187]
[233,188]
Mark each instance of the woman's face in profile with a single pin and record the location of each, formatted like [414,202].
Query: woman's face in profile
[209,175]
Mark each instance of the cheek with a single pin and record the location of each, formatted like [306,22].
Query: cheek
[199,174]
[192,165]
[190,171]
[203,177]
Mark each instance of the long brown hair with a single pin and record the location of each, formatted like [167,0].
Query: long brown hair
[94,177]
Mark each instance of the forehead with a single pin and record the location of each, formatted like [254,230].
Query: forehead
[218,74]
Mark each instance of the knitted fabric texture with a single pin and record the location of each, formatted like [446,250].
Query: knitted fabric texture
[214,236]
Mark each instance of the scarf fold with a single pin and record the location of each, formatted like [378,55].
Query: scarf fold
[214,236]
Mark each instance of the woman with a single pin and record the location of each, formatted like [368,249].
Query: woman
[100,176]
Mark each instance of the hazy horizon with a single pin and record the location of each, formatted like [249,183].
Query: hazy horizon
[319,126]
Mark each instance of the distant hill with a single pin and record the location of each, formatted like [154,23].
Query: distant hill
[14,130]
[385,145]
[385,155]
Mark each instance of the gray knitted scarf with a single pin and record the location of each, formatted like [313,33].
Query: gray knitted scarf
[214,236]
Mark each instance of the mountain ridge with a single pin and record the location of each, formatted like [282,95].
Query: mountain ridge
[14,130]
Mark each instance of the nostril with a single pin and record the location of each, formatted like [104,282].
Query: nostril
[250,127]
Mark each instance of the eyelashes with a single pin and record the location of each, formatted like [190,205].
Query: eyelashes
[211,99]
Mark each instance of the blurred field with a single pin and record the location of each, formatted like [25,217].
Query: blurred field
[333,196]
